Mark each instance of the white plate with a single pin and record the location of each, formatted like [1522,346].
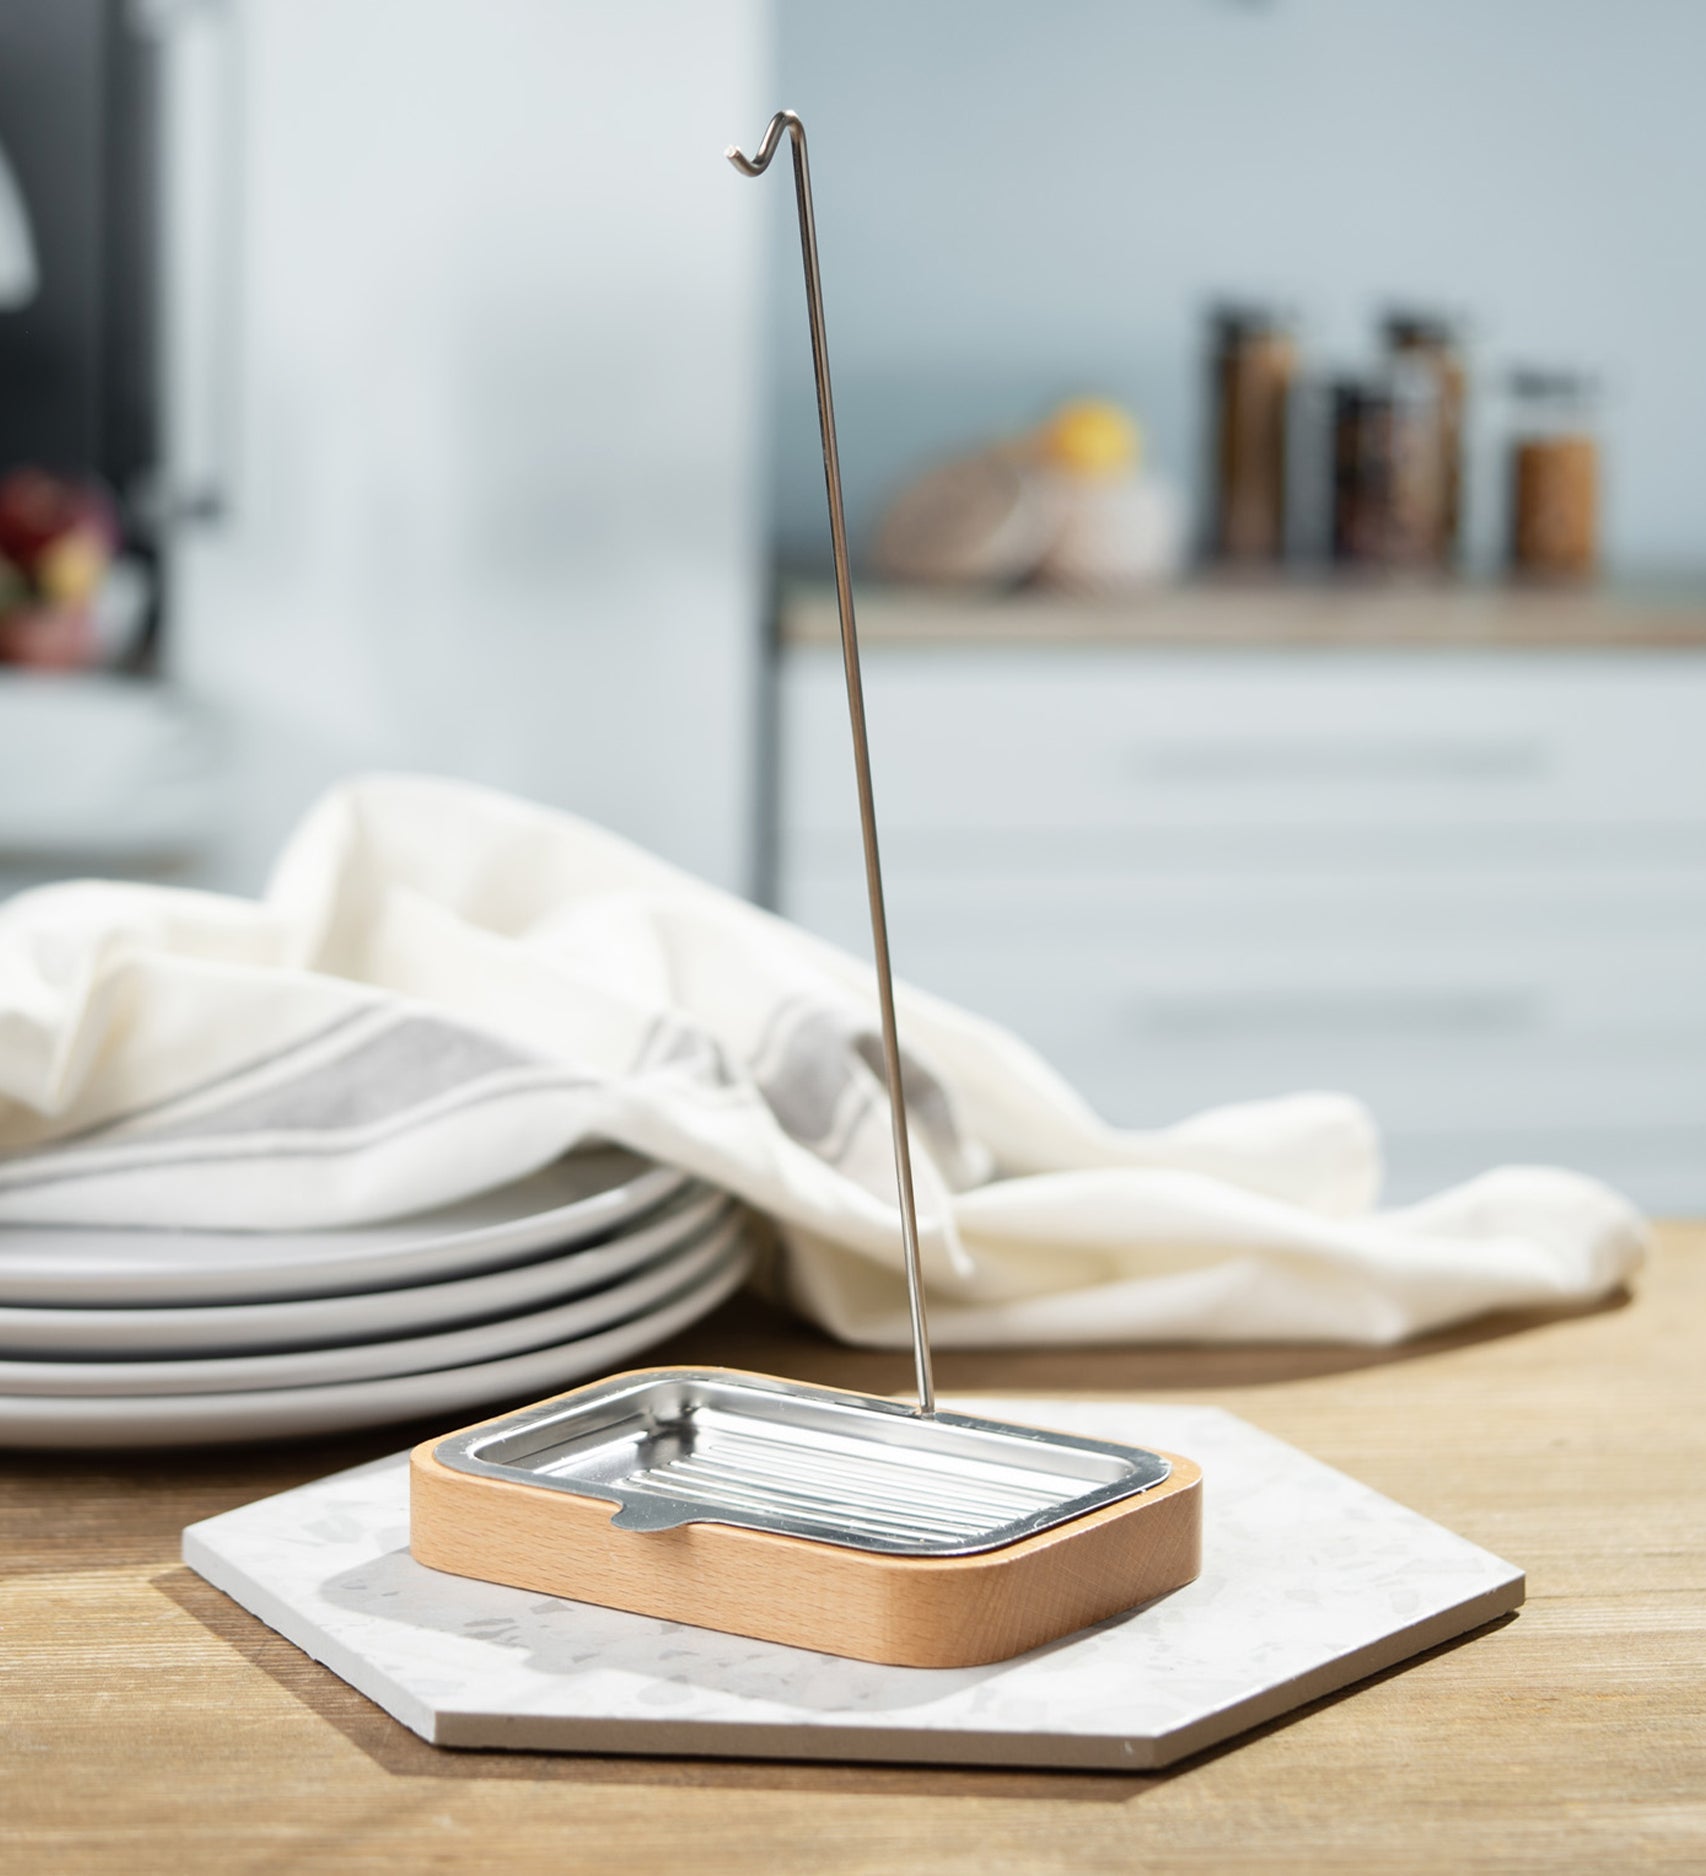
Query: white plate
[285,1413]
[370,1361]
[375,1315]
[583,1196]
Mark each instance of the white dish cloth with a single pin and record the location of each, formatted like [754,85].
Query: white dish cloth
[443,988]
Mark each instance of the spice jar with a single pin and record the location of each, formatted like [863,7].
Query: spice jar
[1554,475]
[1386,469]
[1427,343]
[1254,360]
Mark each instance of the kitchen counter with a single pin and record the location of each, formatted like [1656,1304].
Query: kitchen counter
[1260,612]
[149,1724]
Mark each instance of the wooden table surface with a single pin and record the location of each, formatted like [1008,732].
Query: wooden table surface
[148,1724]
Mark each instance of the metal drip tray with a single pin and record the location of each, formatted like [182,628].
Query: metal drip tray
[700,1446]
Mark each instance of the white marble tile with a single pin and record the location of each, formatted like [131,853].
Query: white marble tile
[1310,1582]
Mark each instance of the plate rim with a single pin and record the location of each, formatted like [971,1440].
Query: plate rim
[131,1422]
[483,1247]
[580,1267]
[597,1309]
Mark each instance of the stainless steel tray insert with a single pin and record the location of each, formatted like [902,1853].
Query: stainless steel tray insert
[698,1446]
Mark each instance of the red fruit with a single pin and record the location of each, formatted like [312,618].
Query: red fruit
[37,508]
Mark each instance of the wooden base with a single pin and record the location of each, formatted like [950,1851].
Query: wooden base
[926,1612]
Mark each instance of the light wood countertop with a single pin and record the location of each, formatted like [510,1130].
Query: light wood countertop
[1229,613]
[148,1724]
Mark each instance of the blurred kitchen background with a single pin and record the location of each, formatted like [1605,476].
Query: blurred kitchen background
[1275,444]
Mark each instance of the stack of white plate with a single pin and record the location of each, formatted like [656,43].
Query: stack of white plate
[152,1338]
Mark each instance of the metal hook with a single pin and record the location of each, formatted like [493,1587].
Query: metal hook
[788,121]
[757,165]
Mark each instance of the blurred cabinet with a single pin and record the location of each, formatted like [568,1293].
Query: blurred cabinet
[458,353]
[102,774]
[1465,880]
[464,323]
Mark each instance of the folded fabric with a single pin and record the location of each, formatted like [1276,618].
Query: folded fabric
[443,989]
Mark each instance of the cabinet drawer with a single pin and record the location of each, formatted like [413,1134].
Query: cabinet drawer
[1564,1009]
[1487,1046]
[1469,888]
[1244,919]
[1032,744]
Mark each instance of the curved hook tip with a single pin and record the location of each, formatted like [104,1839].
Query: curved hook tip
[783,123]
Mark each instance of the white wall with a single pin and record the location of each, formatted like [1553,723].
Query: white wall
[1018,200]
[495,398]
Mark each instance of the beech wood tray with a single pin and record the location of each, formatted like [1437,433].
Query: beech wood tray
[908,1611]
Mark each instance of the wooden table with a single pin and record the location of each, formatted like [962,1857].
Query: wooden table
[148,1724]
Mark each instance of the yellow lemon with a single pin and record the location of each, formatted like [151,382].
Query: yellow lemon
[1091,437]
[70,568]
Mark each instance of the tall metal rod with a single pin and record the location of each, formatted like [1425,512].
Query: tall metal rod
[756,166]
